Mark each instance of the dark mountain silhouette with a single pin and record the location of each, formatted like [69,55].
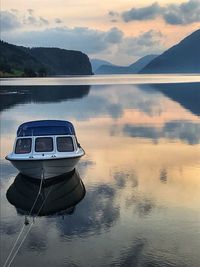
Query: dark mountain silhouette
[62,61]
[181,58]
[16,58]
[133,68]
[42,61]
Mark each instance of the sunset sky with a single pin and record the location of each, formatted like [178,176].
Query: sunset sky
[120,31]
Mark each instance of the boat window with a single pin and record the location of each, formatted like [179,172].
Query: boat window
[65,144]
[23,146]
[44,144]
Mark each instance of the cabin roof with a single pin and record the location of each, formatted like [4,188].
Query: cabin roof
[46,127]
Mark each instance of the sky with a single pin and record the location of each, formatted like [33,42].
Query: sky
[119,31]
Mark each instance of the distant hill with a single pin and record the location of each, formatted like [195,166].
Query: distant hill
[133,68]
[19,60]
[96,63]
[14,59]
[181,58]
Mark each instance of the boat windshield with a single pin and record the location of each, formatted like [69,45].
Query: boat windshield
[23,146]
[65,144]
[44,144]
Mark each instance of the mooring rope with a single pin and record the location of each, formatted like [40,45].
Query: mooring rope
[16,241]
[14,255]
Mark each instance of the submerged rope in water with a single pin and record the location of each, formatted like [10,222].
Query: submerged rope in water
[16,241]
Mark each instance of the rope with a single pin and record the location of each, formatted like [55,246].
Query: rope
[14,246]
[13,257]
[16,241]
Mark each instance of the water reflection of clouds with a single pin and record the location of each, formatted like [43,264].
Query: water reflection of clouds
[140,204]
[102,100]
[119,104]
[99,217]
[37,241]
[126,183]
[7,171]
[124,206]
[163,175]
[185,131]
[125,178]
[100,210]
[10,228]
[132,255]
[84,164]
[97,211]
[141,253]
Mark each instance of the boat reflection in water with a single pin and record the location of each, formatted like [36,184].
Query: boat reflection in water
[59,195]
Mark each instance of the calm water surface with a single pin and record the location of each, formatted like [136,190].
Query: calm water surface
[134,199]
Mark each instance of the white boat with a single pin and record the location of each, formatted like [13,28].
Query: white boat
[45,149]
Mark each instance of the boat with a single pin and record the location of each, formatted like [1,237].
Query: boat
[57,196]
[45,149]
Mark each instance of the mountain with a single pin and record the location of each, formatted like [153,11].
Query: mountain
[62,61]
[42,61]
[96,63]
[181,58]
[133,68]
[14,59]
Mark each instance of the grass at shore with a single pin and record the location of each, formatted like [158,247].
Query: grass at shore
[14,73]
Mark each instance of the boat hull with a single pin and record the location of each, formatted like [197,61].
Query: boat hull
[45,169]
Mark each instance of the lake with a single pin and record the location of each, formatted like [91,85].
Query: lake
[134,198]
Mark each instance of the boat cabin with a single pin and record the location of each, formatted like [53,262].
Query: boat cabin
[48,136]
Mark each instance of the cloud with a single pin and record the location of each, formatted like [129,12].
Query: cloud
[183,14]
[57,20]
[13,19]
[9,21]
[113,16]
[112,13]
[114,20]
[78,38]
[30,11]
[31,19]
[29,29]
[114,35]
[144,13]
[146,43]
[174,14]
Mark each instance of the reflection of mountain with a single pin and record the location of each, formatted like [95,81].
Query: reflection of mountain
[187,94]
[61,194]
[14,95]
